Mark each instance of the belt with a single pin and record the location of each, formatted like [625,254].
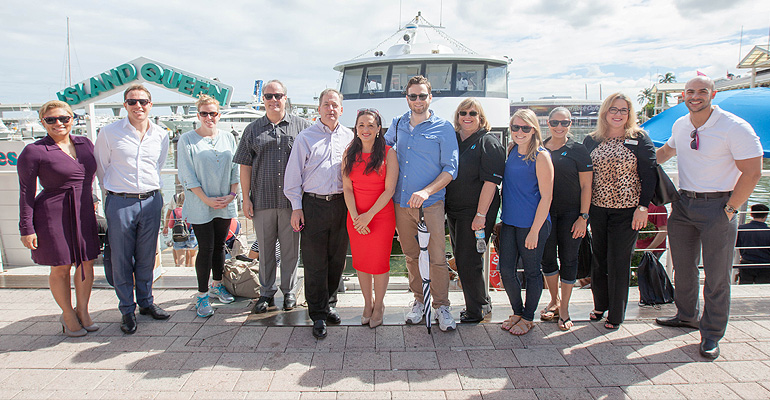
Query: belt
[140,196]
[326,197]
[705,195]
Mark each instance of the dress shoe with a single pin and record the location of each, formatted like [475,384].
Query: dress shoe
[262,304]
[289,301]
[319,329]
[676,322]
[709,348]
[66,331]
[468,319]
[128,324]
[154,311]
[333,317]
[91,328]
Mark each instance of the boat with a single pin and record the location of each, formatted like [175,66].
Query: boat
[377,79]
[232,120]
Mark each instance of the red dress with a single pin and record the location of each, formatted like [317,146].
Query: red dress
[371,252]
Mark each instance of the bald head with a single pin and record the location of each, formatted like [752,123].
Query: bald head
[700,81]
[697,95]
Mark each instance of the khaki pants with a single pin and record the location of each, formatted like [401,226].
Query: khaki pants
[406,224]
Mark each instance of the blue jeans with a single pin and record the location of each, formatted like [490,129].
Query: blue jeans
[511,248]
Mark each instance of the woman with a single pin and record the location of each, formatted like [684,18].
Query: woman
[184,251]
[623,184]
[527,189]
[59,225]
[206,170]
[569,215]
[369,174]
[472,201]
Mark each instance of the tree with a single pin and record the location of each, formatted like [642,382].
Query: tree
[669,77]
[645,96]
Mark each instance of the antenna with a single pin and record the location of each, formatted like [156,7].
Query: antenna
[69,58]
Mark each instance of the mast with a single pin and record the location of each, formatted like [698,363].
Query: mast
[69,60]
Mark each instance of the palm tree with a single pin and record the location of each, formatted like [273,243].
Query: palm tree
[645,96]
[669,77]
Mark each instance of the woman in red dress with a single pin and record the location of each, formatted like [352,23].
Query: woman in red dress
[369,175]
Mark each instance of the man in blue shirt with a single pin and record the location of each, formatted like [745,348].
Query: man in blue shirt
[426,146]
[755,234]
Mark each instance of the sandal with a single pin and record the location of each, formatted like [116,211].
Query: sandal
[563,324]
[595,315]
[549,315]
[611,326]
[521,328]
[510,322]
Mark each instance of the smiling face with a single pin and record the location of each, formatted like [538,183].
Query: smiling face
[57,130]
[470,122]
[330,109]
[617,121]
[138,113]
[419,106]
[274,106]
[520,137]
[698,94]
[208,121]
[367,129]
[560,131]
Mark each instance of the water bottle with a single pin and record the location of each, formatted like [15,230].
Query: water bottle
[481,246]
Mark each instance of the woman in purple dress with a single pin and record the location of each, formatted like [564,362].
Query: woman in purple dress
[59,224]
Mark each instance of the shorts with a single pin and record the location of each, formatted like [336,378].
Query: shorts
[191,243]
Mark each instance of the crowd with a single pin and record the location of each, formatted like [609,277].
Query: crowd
[323,187]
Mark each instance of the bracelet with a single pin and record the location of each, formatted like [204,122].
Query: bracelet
[478,214]
[232,194]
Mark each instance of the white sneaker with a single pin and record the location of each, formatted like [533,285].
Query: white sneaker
[415,316]
[446,321]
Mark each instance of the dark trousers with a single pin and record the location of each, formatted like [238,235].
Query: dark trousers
[324,246]
[511,248]
[133,234]
[560,242]
[211,250]
[613,245]
[751,275]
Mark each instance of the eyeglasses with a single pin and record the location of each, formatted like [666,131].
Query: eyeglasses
[132,102]
[524,128]
[695,140]
[621,111]
[413,97]
[277,96]
[205,114]
[554,123]
[471,113]
[64,119]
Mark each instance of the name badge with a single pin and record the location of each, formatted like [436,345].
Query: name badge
[632,142]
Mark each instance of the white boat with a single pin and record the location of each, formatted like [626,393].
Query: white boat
[454,71]
[231,120]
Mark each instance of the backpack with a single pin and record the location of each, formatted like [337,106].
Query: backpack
[180,232]
[654,285]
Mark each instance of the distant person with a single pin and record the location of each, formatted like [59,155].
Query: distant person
[263,154]
[101,222]
[426,147]
[373,86]
[658,216]
[58,224]
[755,234]
[130,154]
[184,249]
[462,82]
[719,158]
[313,185]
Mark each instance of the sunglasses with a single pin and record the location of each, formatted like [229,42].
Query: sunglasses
[132,102]
[471,113]
[695,139]
[524,128]
[211,114]
[554,123]
[64,119]
[365,110]
[621,111]
[413,97]
[277,96]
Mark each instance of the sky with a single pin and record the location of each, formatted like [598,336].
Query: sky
[559,47]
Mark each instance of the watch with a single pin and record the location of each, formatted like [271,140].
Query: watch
[730,209]
[478,214]
[584,216]
[642,208]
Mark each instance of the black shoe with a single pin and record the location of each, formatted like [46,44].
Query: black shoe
[468,319]
[241,257]
[709,348]
[333,317]
[289,301]
[676,322]
[128,323]
[263,304]
[154,311]
[319,329]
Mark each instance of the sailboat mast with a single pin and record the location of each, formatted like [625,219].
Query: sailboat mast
[69,60]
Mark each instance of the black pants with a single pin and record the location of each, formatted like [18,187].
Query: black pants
[613,245]
[324,245]
[211,250]
[560,242]
[749,275]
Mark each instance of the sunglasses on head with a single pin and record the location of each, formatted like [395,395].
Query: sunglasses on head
[371,110]
[132,102]
[277,96]
[524,128]
[205,114]
[471,113]
[64,119]
[413,97]
[695,139]
[554,123]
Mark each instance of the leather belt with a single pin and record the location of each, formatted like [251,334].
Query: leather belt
[705,195]
[140,196]
[326,197]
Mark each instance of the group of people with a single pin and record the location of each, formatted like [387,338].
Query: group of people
[324,186]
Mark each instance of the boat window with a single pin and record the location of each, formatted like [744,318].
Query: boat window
[470,77]
[401,75]
[375,76]
[497,81]
[351,80]
[439,76]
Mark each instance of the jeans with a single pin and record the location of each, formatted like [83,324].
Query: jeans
[511,248]
[211,251]
[561,239]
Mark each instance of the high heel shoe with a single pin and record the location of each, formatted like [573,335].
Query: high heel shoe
[364,319]
[91,328]
[373,323]
[67,332]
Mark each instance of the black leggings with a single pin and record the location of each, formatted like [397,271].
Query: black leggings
[211,250]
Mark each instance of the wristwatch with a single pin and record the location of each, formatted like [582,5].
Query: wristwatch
[478,214]
[731,210]
[642,208]
[584,216]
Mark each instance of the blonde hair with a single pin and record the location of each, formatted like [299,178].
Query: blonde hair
[632,130]
[529,117]
[468,103]
[54,104]
[204,99]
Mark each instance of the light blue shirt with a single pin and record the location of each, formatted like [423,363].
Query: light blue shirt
[207,163]
[423,153]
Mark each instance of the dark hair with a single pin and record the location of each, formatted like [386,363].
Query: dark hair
[418,80]
[353,153]
[759,211]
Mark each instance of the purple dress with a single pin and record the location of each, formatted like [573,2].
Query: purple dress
[62,214]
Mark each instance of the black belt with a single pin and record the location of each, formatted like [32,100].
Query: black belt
[327,197]
[705,195]
[140,196]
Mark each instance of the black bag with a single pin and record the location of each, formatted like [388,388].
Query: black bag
[665,191]
[585,257]
[654,285]
[180,232]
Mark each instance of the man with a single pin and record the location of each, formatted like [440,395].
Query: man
[427,159]
[755,234]
[720,161]
[263,154]
[313,184]
[129,156]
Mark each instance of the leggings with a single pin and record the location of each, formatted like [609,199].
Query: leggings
[211,251]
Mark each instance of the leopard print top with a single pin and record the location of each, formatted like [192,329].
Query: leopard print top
[616,182]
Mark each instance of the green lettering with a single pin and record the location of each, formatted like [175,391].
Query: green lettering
[220,94]
[96,87]
[12,158]
[127,73]
[2,159]
[82,92]
[170,79]
[152,72]
[71,96]
[111,79]
[200,86]
[186,84]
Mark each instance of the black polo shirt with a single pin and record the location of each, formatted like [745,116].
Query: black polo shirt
[482,159]
[568,161]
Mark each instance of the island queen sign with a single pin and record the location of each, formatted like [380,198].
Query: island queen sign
[144,70]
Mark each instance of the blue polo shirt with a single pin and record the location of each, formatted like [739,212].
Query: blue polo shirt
[423,153]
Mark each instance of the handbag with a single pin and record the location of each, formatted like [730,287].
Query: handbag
[585,257]
[241,278]
[654,286]
[665,191]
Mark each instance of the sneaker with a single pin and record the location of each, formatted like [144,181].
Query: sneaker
[415,316]
[203,307]
[446,321]
[221,292]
